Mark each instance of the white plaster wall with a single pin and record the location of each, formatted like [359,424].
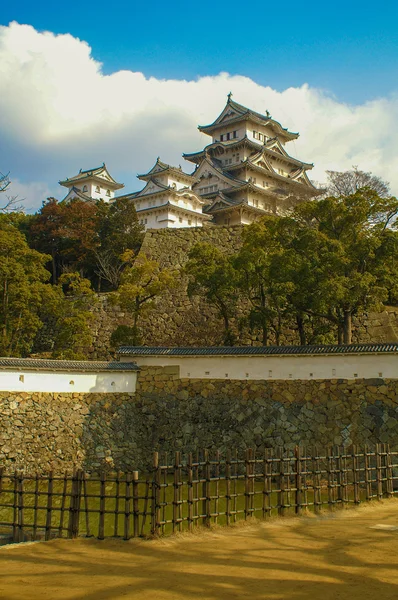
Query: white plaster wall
[43,381]
[279,367]
[168,219]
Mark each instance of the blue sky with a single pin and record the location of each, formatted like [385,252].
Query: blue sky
[349,48]
[124,82]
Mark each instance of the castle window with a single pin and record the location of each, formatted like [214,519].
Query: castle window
[222,137]
[108,192]
[255,134]
[189,222]
[98,189]
[235,134]
[146,221]
[84,188]
[180,219]
[228,136]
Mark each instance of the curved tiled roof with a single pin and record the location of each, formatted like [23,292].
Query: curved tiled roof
[261,350]
[41,364]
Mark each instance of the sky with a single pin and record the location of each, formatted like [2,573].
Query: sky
[125,82]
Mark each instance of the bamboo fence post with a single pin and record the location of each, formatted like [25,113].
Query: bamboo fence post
[217,492]
[190,491]
[355,474]
[72,506]
[117,500]
[368,484]
[228,487]
[136,506]
[298,485]
[379,473]
[101,521]
[176,481]
[339,475]
[36,505]
[234,485]
[21,507]
[86,505]
[155,509]
[206,490]
[247,483]
[127,507]
[330,478]
[389,473]
[15,530]
[49,505]
[281,486]
[316,480]
[63,502]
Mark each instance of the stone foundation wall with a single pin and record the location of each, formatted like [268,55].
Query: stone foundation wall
[181,321]
[45,431]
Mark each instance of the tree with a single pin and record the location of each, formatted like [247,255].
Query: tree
[10,203]
[142,281]
[212,274]
[350,244]
[119,230]
[68,231]
[258,269]
[23,291]
[346,183]
[73,316]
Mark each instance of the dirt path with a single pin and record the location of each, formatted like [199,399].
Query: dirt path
[351,554]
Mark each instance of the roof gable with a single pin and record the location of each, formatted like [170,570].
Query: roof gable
[98,173]
[152,187]
[207,169]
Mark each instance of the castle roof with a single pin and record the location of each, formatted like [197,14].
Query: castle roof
[97,174]
[234,112]
[74,192]
[382,348]
[161,167]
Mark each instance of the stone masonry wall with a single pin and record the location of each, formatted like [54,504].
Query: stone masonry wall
[181,321]
[43,431]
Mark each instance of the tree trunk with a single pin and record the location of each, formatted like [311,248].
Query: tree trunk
[347,327]
[301,329]
[340,332]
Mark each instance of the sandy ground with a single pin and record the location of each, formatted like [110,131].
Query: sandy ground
[349,554]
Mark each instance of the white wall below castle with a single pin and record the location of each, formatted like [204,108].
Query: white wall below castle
[49,381]
[168,220]
[354,366]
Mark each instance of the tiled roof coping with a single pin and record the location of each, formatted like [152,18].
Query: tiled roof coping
[39,364]
[261,350]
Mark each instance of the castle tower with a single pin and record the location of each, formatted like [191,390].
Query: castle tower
[92,184]
[167,200]
[245,172]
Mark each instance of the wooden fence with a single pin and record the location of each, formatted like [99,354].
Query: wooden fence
[181,493]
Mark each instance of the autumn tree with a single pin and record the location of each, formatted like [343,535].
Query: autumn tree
[212,274]
[68,231]
[142,281]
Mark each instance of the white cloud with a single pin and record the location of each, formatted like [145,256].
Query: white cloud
[59,112]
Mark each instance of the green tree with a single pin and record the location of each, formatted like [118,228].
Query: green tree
[142,281]
[350,243]
[258,276]
[23,290]
[212,274]
[73,303]
[119,230]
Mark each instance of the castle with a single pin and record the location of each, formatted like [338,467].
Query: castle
[244,173]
